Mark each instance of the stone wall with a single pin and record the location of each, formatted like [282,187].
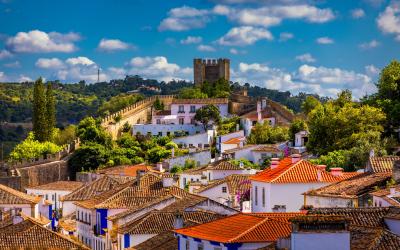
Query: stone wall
[201,158]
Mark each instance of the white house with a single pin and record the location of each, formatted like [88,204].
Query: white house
[183,110]
[256,153]
[230,141]
[280,187]
[52,192]
[386,197]
[16,201]
[300,140]
[239,231]
[260,115]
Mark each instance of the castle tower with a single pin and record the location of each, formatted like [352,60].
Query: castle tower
[210,70]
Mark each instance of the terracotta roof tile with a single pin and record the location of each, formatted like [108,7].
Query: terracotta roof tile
[223,165]
[29,235]
[96,187]
[235,140]
[201,101]
[236,183]
[59,185]
[382,164]
[157,222]
[372,238]
[372,216]
[253,116]
[68,223]
[385,191]
[353,187]
[300,172]
[12,196]
[267,148]
[163,241]
[125,170]
[162,112]
[233,150]
[242,228]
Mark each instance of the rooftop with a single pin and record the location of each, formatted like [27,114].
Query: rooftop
[382,164]
[235,140]
[352,187]
[30,235]
[163,241]
[125,170]
[267,148]
[301,171]
[237,183]
[12,196]
[201,101]
[59,185]
[363,238]
[240,228]
[223,165]
[233,150]
[94,188]
[253,116]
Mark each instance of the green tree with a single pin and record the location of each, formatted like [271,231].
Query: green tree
[31,148]
[90,130]
[50,113]
[334,127]
[297,126]
[265,134]
[88,157]
[39,111]
[207,114]
[228,125]
[158,153]
[191,93]
[388,97]
[65,136]
[158,105]
[309,104]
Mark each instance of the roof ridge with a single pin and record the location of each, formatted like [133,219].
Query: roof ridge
[284,172]
[19,194]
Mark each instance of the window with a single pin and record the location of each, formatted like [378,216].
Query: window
[158,121]
[223,189]
[187,247]
[256,196]
[85,217]
[77,215]
[90,219]
[200,246]
[192,121]
[181,120]
[263,197]
[181,109]
[192,109]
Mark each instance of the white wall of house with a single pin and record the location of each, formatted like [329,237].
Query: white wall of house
[286,194]
[188,112]
[379,202]
[300,138]
[323,201]
[27,209]
[244,153]
[185,178]
[85,220]
[200,157]
[258,157]
[223,147]
[165,129]
[317,241]
[223,138]
[221,174]
[51,195]
[134,239]
[68,207]
[197,140]
[194,245]
[216,193]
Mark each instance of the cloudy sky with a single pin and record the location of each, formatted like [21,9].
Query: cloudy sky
[297,45]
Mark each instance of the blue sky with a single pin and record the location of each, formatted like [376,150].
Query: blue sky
[296,45]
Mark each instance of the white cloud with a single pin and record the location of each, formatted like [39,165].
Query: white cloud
[310,79]
[369,45]
[273,15]
[80,60]
[325,40]
[37,41]
[23,78]
[308,58]
[389,20]
[372,71]
[284,36]
[244,35]
[49,63]
[3,77]
[159,68]
[5,54]
[184,18]
[234,51]
[205,48]
[357,13]
[14,65]
[113,45]
[117,72]
[192,40]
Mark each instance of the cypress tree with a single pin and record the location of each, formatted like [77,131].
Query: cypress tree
[39,111]
[50,112]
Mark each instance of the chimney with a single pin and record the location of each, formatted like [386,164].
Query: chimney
[159,167]
[178,220]
[168,180]
[321,167]
[139,174]
[372,153]
[319,175]
[396,171]
[259,118]
[295,158]
[274,164]
[336,171]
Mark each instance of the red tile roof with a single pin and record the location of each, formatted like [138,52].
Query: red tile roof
[125,170]
[12,196]
[241,228]
[235,140]
[59,185]
[201,101]
[300,172]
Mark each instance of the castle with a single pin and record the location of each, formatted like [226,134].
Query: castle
[210,70]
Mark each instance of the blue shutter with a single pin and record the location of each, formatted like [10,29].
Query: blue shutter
[126,241]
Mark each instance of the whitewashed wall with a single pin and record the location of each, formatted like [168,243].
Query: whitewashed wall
[155,129]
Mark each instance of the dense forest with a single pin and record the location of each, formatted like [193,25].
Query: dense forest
[75,101]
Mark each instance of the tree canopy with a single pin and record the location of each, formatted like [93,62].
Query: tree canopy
[266,134]
[207,114]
